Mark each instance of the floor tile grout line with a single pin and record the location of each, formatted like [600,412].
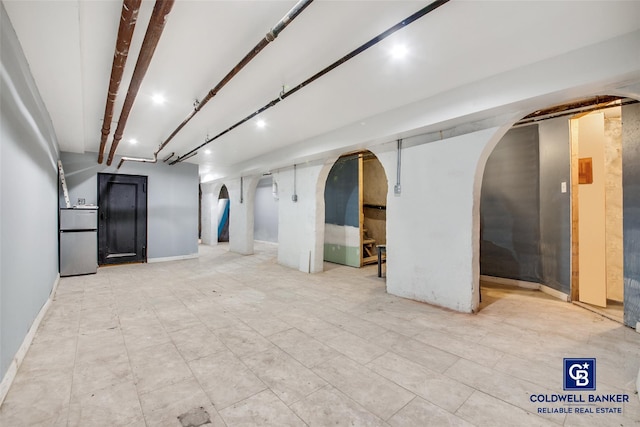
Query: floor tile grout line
[75,357]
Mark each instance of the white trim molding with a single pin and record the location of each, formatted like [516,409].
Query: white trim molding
[172,258]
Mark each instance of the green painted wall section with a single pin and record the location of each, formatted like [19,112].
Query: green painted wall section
[346,255]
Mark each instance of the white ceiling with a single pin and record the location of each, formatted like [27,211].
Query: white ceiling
[70,46]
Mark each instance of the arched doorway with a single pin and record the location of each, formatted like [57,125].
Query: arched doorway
[355,197]
[265,210]
[551,205]
[223,215]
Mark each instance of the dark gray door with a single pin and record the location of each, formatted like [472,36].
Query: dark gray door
[122,219]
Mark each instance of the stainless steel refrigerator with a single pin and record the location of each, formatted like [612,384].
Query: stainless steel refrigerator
[78,241]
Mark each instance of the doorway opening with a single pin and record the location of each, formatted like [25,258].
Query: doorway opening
[355,210]
[224,211]
[551,207]
[122,218]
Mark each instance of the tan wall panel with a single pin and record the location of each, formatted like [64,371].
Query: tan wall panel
[613,205]
[591,197]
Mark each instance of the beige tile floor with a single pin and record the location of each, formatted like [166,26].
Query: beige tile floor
[255,343]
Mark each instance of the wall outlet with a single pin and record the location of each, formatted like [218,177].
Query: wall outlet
[81,202]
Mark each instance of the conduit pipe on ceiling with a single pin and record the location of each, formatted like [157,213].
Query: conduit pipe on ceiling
[377,39]
[269,37]
[128,19]
[156,25]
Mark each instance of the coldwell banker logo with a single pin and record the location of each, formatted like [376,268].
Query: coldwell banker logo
[580,374]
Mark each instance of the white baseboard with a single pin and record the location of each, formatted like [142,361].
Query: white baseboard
[26,343]
[172,258]
[527,285]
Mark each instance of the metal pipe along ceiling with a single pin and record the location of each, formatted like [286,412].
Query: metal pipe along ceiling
[128,19]
[269,37]
[156,25]
[377,39]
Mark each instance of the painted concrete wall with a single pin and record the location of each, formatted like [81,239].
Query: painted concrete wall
[28,206]
[265,225]
[433,226]
[301,223]
[631,213]
[555,206]
[241,220]
[172,204]
[510,208]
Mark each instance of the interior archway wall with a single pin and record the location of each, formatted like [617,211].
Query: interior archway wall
[631,204]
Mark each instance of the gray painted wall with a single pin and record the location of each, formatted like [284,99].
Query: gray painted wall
[526,233]
[265,224]
[172,204]
[341,193]
[631,212]
[28,210]
[510,208]
[555,206]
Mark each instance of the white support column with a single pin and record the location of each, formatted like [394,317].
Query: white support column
[301,222]
[208,216]
[242,193]
[209,219]
[433,225]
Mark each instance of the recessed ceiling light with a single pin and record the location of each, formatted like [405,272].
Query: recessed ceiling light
[158,99]
[261,123]
[207,151]
[133,141]
[399,51]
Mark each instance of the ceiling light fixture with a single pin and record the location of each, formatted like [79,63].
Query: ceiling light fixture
[133,141]
[399,51]
[207,151]
[261,123]
[158,99]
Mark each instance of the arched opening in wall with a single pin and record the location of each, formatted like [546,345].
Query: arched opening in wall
[355,199]
[223,215]
[265,223]
[551,206]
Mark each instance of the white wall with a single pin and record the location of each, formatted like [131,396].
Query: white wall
[241,208]
[29,202]
[433,226]
[265,223]
[301,223]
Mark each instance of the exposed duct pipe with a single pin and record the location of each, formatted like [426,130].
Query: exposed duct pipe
[128,19]
[156,24]
[377,39]
[269,37]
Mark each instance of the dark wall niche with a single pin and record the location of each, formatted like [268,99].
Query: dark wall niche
[341,193]
[510,208]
